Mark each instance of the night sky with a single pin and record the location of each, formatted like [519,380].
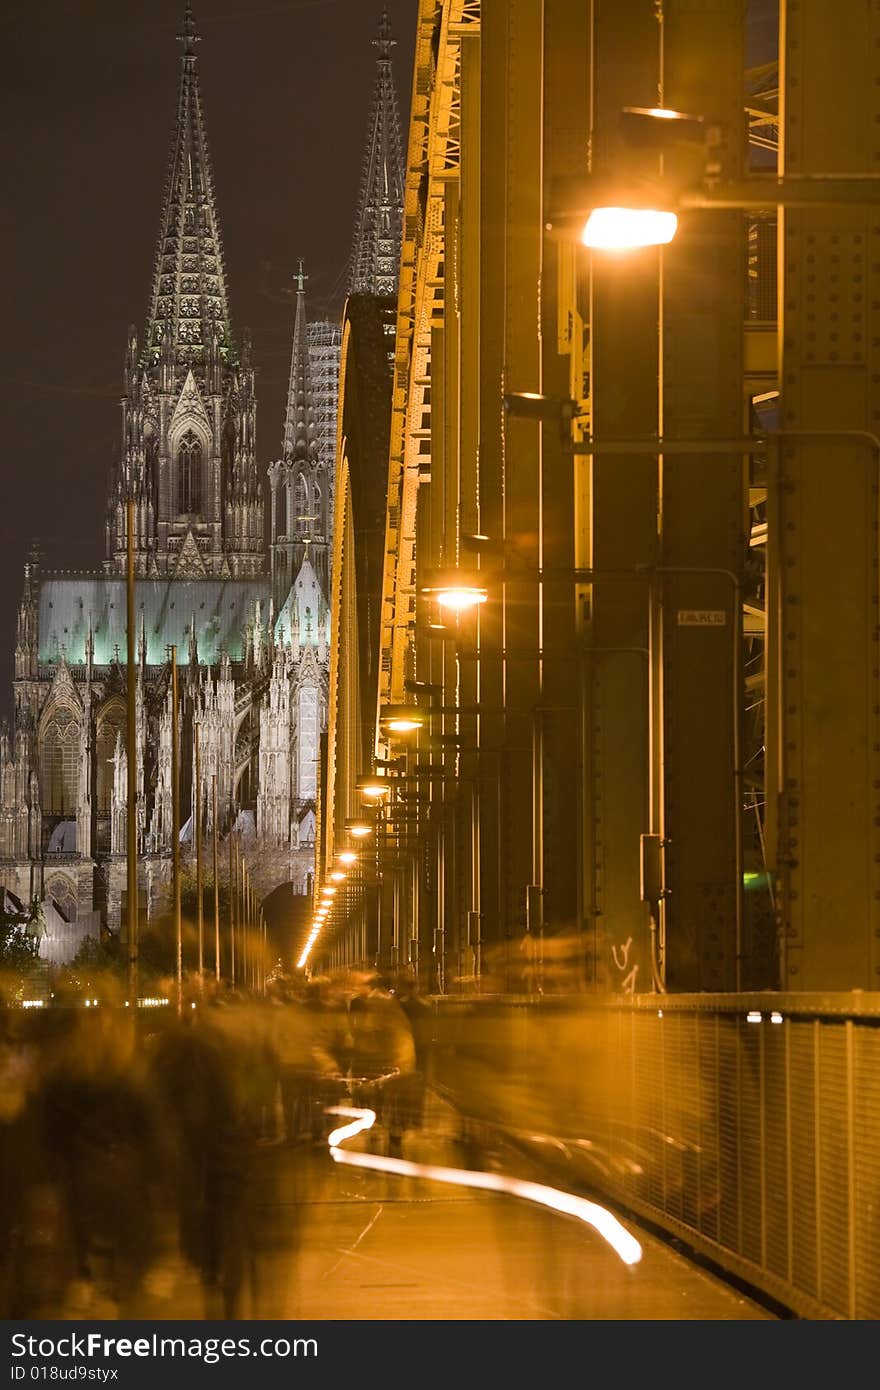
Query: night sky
[89,96]
[89,92]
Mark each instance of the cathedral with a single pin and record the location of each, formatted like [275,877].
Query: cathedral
[232,564]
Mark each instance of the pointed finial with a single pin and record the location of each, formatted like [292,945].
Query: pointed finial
[189,37]
[301,278]
[384,42]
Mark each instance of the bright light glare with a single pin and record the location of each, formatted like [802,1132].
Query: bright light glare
[337,875]
[602,1220]
[375,789]
[401,725]
[663,113]
[363,1119]
[460,599]
[347,856]
[753,1016]
[306,951]
[775,1017]
[625,229]
[359,831]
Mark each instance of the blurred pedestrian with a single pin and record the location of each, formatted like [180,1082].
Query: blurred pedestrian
[198,1068]
[383,1059]
[101,1137]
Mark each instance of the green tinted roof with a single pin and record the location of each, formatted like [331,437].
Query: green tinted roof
[166,607]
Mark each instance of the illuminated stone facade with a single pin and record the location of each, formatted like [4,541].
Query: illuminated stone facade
[249,625]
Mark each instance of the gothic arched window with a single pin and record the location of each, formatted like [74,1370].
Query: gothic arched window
[111,722]
[63,895]
[301,505]
[189,473]
[59,764]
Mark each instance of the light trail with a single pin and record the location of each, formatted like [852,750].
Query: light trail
[590,1213]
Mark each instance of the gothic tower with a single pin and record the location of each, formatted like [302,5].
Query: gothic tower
[187,454]
[301,479]
[375,255]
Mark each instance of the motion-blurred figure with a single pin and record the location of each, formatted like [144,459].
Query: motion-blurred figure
[199,1068]
[309,1062]
[383,1059]
[103,1148]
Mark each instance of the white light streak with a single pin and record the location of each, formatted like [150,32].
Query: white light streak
[591,1213]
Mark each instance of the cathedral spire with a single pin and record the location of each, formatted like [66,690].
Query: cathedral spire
[189,310]
[375,255]
[300,444]
[301,480]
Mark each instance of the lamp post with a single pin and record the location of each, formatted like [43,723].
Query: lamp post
[214,866]
[232,907]
[200,911]
[175,830]
[132,760]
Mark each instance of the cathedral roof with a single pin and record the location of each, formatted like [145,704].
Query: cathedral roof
[223,609]
[300,436]
[189,311]
[375,254]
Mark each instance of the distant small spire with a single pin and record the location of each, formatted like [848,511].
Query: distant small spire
[383,41]
[299,419]
[190,35]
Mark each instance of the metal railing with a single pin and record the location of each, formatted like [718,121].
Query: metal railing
[747,1126]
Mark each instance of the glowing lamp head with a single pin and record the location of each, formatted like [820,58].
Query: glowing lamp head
[347,856]
[456,590]
[359,828]
[337,875]
[628,229]
[461,598]
[372,788]
[402,719]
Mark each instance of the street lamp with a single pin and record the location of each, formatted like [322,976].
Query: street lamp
[347,856]
[402,719]
[613,214]
[358,828]
[610,214]
[373,788]
[457,590]
[617,228]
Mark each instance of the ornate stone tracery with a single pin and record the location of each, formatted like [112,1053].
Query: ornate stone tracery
[249,629]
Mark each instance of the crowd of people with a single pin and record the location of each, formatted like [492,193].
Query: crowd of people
[129,1143]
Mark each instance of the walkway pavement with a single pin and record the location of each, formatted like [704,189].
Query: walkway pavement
[341,1243]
